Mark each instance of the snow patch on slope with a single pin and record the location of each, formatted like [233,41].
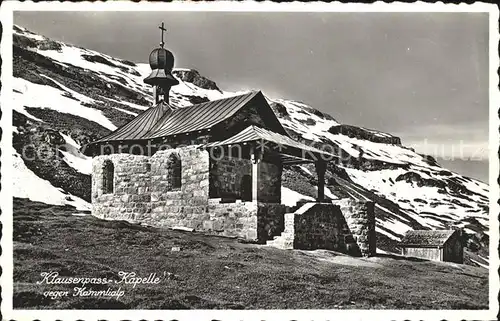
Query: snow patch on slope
[308,124]
[28,94]
[28,185]
[290,197]
[70,55]
[74,158]
[427,201]
[378,151]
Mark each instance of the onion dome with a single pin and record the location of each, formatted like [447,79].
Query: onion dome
[161,62]
[161,58]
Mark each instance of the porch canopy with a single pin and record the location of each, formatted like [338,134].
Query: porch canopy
[263,141]
[266,141]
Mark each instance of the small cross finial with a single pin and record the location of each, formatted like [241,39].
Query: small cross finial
[162,28]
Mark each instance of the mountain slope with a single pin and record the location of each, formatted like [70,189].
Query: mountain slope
[66,96]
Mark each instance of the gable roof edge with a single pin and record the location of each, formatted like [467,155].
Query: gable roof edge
[261,95]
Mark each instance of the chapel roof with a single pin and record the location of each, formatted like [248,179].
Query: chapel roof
[163,120]
[140,125]
[199,116]
[426,238]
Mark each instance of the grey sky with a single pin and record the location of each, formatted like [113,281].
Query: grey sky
[416,75]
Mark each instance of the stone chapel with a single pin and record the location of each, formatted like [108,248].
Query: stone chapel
[216,167]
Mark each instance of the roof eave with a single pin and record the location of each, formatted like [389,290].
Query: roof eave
[422,246]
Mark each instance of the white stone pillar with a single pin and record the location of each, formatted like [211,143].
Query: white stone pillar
[256,157]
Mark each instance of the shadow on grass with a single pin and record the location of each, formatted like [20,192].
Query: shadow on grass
[401,258]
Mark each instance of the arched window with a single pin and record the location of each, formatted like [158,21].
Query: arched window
[108,176]
[174,168]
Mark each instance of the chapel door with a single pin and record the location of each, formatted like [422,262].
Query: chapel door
[246,188]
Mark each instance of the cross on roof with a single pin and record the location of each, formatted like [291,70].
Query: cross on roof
[162,28]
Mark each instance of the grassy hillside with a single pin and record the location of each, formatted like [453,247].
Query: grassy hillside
[66,96]
[208,272]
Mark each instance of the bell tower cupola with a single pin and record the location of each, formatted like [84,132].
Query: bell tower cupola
[161,62]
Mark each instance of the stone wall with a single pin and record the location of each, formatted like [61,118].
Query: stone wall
[360,218]
[191,206]
[252,220]
[270,222]
[226,176]
[187,207]
[232,219]
[344,228]
[141,194]
[321,226]
[131,198]
[269,187]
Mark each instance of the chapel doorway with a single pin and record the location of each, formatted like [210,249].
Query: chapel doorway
[246,187]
